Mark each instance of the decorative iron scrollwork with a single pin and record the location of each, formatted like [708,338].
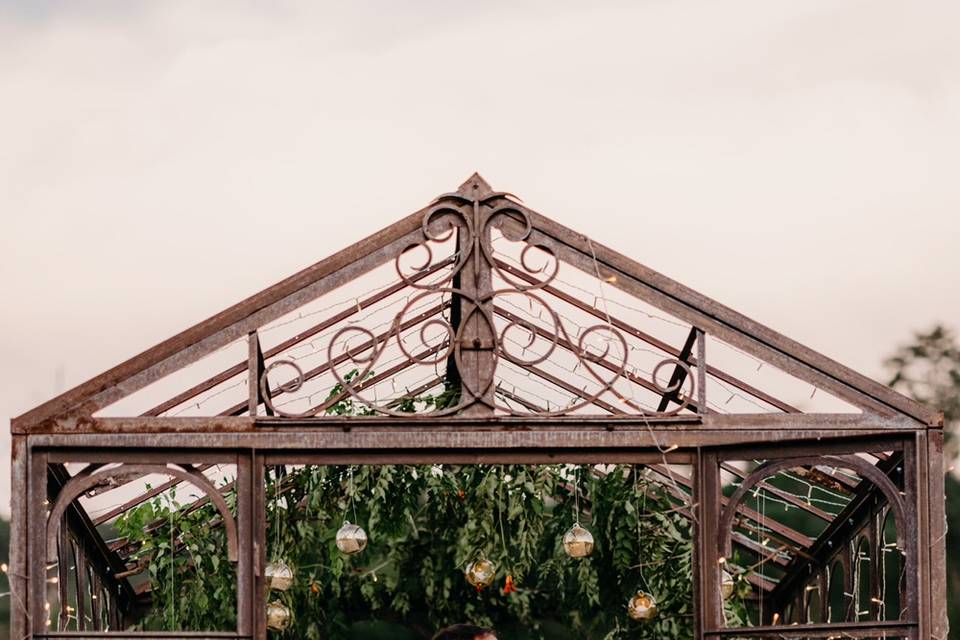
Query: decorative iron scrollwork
[601,350]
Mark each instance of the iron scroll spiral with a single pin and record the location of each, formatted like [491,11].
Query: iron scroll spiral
[601,350]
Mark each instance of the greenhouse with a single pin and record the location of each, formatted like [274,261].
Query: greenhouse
[478,415]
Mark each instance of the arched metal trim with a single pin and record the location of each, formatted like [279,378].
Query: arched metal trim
[854,463]
[94,474]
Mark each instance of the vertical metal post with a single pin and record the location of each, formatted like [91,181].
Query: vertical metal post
[849,586]
[96,594]
[476,312]
[258,491]
[938,534]
[915,555]
[697,546]
[37,557]
[874,545]
[64,551]
[19,569]
[930,567]
[707,499]
[80,567]
[246,557]
[253,372]
[701,372]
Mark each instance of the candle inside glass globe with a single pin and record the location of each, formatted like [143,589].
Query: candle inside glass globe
[642,606]
[726,584]
[351,539]
[279,575]
[278,616]
[481,573]
[578,542]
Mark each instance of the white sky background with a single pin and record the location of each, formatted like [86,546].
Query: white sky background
[161,161]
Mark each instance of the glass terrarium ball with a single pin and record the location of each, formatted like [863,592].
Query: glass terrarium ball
[278,616]
[279,575]
[642,606]
[481,573]
[578,542]
[726,584]
[351,539]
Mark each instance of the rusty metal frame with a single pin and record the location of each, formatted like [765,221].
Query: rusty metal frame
[479,429]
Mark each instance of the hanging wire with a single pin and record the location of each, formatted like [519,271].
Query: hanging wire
[576,495]
[643,510]
[276,512]
[503,537]
[351,492]
[763,524]
[173,569]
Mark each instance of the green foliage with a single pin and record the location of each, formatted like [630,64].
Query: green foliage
[426,524]
[928,370]
[185,553]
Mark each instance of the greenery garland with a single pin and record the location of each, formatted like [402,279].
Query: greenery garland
[426,524]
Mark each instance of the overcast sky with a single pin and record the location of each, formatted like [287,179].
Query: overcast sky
[160,161]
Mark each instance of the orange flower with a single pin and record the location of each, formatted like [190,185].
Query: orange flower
[314,588]
[508,586]
[461,494]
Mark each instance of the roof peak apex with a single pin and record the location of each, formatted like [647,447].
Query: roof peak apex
[475,187]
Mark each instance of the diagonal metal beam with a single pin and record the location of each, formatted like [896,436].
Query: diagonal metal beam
[780,493]
[842,527]
[679,373]
[718,320]
[569,388]
[293,341]
[380,377]
[231,324]
[651,340]
[565,344]
[240,407]
[798,540]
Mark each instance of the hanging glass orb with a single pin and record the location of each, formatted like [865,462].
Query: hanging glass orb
[578,542]
[481,573]
[279,575]
[278,616]
[726,584]
[351,539]
[642,606]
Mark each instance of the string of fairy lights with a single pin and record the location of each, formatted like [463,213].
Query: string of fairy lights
[578,542]
[316,344]
[582,537]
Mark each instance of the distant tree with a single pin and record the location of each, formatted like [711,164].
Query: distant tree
[928,369]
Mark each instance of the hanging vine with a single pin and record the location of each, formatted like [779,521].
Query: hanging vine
[426,524]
